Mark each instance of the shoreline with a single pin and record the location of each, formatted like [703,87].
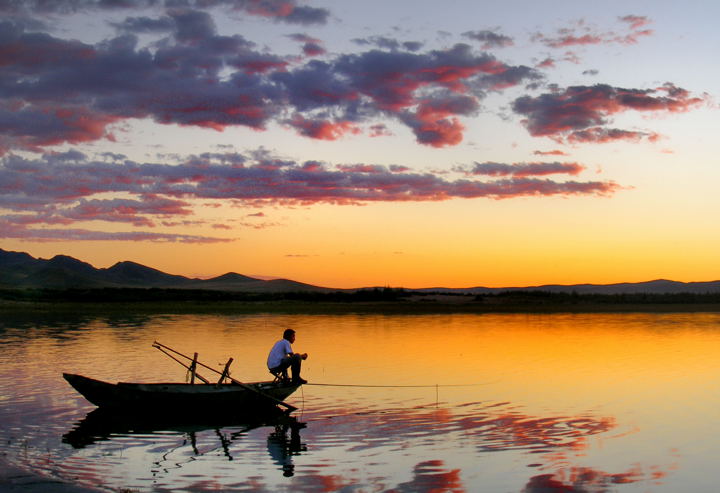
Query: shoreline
[309,307]
[15,478]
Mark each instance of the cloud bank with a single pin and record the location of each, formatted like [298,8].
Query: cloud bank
[69,188]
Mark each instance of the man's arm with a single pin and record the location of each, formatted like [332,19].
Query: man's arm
[289,350]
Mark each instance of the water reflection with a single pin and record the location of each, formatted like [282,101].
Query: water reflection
[432,475]
[100,425]
[59,322]
[588,480]
[575,403]
[283,446]
[176,444]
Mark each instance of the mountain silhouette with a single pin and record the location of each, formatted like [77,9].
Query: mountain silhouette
[21,270]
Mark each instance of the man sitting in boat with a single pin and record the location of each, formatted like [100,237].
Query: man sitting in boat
[281,358]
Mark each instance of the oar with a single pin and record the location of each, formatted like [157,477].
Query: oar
[245,386]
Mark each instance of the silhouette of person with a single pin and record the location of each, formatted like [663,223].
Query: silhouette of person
[282,357]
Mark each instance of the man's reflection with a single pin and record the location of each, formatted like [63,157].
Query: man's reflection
[282,448]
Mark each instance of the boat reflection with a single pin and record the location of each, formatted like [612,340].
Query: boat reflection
[102,425]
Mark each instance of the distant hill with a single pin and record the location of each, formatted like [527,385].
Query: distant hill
[20,270]
[659,286]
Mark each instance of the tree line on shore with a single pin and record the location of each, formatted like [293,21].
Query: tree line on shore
[390,295]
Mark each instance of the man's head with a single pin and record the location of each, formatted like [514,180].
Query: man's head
[289,334]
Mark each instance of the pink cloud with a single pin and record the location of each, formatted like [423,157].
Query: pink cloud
[636,21]
[440,132]
[322,129]
[573,40]
[362,168]
[580,34]
[546,63]
[554,152]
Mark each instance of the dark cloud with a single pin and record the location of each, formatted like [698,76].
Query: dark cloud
[33,127]
[69,6]
[192,26]
[141,25]
[581,113]
[279,10]
[379,130]
[489,39]
[412,45]
[310,46]
[305,15]
[598,135]
[65,234]
[521,170]
[386,43]
[56,91]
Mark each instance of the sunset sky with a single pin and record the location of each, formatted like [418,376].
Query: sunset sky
[347,143]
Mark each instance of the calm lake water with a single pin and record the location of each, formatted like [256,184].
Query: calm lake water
[503,403]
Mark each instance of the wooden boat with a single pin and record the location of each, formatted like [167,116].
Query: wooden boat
[179,397]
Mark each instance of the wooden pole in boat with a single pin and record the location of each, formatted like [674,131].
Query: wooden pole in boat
[238,382]
[193,367]
[226,371]
[181,363]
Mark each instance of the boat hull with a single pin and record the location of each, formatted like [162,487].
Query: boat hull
[181,397]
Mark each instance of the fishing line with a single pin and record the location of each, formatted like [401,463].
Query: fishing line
[400,386]
[302,407]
